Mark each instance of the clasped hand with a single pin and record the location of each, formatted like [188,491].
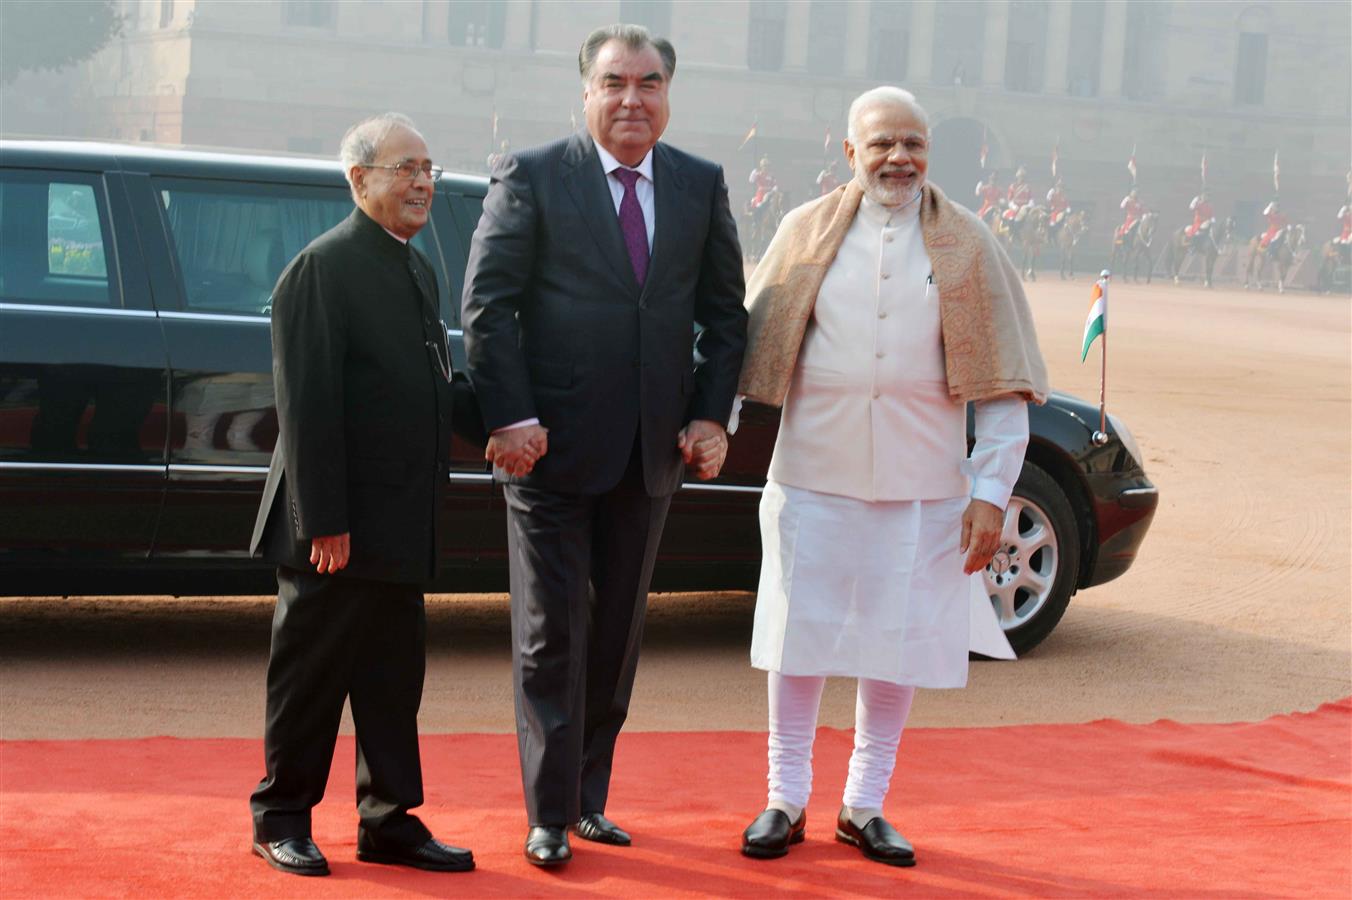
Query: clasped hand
[703,445]
[516,450]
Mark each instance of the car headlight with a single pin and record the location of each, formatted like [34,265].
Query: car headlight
[1124,435]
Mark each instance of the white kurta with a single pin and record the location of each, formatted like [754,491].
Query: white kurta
[861,519]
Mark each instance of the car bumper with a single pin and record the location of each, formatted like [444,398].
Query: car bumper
[1122,525]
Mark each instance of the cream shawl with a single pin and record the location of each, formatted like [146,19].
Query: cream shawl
[990,347]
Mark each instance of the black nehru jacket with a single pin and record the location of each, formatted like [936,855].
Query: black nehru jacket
[363,406]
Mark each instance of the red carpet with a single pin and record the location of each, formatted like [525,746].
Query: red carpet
[1261,809]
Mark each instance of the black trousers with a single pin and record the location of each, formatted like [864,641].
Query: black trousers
[580,569]
[336,639]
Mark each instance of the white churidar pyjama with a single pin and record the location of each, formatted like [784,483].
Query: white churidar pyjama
[880,715]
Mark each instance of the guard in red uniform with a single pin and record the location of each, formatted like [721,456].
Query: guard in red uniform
[1058,207]
[1345,218]
[1202,216]
[1276,226]
[1133,208]
[989,193]
[764,182]
[1019,197]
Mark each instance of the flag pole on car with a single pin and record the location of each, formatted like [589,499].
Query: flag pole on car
[1096,326]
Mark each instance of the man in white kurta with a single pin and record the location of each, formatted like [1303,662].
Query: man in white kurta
[874,518]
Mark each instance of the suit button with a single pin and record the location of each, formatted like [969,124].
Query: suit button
[882,314]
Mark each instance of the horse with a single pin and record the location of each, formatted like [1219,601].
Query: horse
[1208,244]
[1032,238]
[992,219]
[762,222]
[1073,227]
[1139,245]
[1281,253]
[1335,268]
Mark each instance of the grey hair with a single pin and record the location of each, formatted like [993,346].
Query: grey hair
[635,37]
[875,96]
[361,144]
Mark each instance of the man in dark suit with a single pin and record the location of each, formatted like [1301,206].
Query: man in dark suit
[604,324]
[364,403]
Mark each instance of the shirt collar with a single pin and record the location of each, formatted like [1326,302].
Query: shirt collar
[393,235]
[610,164]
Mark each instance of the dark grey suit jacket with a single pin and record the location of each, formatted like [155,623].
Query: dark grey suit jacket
[557,327]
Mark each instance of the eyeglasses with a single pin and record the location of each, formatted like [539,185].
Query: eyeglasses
[409,170]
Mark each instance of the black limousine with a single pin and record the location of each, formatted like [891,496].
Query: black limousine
[136,403]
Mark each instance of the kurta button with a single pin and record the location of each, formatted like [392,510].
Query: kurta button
[886,276]
[879,354]
[877,394]
[888,239]
[882,314]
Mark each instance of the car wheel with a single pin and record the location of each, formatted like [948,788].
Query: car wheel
[1033,574]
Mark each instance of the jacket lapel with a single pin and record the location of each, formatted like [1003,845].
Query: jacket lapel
[668,212]
[586,185]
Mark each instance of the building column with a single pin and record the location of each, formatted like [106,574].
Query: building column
[920,54]
[435,21]
[1114,49]
[796,22]
[997,43]
[1057,48]
[516,30]
[857,16]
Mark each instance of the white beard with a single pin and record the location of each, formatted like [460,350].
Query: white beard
[885,193]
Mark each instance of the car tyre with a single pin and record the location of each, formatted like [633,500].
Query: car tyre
[1032,577]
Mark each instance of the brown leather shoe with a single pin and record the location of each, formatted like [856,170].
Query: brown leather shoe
[770,834]
[877,840]
[596,827]
[297,856]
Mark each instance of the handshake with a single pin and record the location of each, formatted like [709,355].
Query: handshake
[703,445]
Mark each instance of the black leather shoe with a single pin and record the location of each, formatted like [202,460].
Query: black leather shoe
[547,845]
[434,856]
[877,840]
[770,834]
[299,856]
[596,827]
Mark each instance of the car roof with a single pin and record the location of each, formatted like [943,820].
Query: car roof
[102,156]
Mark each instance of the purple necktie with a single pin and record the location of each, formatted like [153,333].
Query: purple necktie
[632,224]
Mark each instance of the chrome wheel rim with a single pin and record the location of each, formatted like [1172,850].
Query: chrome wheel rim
[1021,576]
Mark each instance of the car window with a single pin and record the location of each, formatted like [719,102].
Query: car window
[234,239]
[54,246]
[465,212]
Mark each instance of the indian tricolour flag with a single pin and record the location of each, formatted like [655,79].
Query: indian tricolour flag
[1097,320]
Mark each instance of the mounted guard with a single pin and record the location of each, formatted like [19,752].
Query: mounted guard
[1058,207]
[988,191]
[1203,218]
[1133,208]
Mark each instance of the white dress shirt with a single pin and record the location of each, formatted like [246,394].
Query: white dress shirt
[643,187]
